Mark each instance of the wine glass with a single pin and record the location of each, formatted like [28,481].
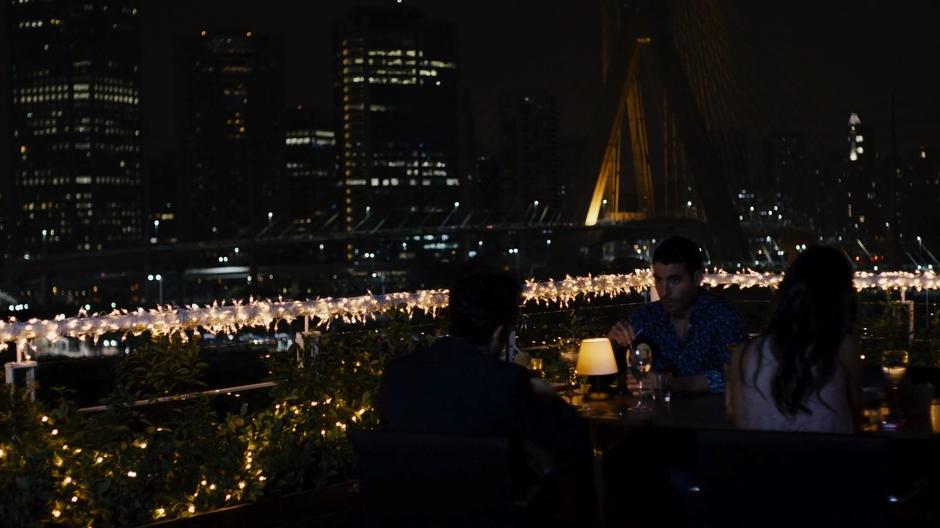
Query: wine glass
[640,362]
[894,366]
[569,356]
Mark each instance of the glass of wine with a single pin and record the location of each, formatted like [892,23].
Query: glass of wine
[894,366]
[640,362]
[569,356]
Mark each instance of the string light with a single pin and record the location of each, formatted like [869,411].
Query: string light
[221,318]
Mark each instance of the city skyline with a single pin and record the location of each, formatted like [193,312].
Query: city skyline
[811,50]
[826,60]
[230,121]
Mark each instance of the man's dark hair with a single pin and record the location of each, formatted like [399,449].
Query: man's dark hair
[481,300]
[680,250]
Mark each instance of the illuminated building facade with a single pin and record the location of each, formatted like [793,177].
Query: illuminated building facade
[231,107]
[866,201]
[396,90]
[75,126]
[313,186]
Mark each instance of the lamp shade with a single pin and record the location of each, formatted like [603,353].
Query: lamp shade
[596,357]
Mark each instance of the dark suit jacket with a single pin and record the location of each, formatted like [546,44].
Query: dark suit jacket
[452,388]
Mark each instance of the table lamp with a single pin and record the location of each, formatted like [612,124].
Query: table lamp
[596,359]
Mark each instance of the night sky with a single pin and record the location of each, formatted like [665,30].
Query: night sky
[815,61]
[812,62]
[507,48]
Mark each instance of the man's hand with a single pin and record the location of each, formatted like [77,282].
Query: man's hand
[622,334]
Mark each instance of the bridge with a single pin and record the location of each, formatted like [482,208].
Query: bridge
[650,170]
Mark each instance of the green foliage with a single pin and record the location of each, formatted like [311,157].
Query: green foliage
[27,463]
[302,441]
[129,465]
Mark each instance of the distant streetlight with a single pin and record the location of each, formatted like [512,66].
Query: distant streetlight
[159,279]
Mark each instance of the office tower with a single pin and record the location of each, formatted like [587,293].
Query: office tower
[789,190]
[75,126]
[313,186]
[396,91]
[231,107]
[160,220]
[531,126]
[865,202]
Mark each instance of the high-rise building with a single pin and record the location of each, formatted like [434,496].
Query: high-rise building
[160,223]
[789,190]
[75,125]
[865,202]
[531,125]
[313,186]
[396,92]
[231,108]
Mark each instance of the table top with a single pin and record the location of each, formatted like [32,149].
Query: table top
[694,411]
[707,411]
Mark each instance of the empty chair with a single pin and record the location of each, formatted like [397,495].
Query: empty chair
[433,480]
[752,478]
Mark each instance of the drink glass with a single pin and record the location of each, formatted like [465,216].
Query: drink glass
[535,365]
[894,366]
[640,362]
[569,356]
[662,392]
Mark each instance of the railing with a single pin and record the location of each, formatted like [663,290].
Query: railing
[219,318]
[548,330]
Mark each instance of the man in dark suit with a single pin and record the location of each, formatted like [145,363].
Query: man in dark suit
[460,386]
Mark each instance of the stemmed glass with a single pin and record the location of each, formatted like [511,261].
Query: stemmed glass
[640,362]
[894,366]
[569,356]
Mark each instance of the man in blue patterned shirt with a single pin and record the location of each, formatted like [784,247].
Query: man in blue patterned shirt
[691,330]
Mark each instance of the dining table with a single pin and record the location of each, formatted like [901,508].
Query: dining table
[708,411]
[631,439]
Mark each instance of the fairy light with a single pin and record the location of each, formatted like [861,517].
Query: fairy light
[228,318]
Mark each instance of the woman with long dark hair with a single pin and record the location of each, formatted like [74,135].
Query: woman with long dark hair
[804,371]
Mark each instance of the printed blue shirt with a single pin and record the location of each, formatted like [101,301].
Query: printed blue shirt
[714,324]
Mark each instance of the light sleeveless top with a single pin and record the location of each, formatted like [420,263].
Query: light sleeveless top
[758,410]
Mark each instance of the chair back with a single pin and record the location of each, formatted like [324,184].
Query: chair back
[756,478]
[433,480]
